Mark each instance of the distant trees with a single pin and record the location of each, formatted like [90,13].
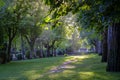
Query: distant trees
[20,18]
[9,23]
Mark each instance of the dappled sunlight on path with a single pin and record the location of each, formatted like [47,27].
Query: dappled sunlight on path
[67,64]
[80,67]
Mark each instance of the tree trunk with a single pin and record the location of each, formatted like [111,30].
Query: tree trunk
[113,63]
[31,51]
[9,51]
[31,42]
[41,50]
[11,34]
[104,46]
[48,51]
[100,47]
[22,47]
[52,48]
[96,48]
[3,56]
[55,52]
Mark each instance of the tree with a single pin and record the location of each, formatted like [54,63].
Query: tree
[112,14]
[104,46]
[3,46]
[48,40]
[10,26]
[113,64]
[31,33]
[14,13]
[31,24]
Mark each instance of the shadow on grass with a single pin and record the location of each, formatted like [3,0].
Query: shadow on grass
[28,69]
[87,67]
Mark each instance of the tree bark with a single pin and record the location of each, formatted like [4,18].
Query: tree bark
[22,47]
[3,50]
[41,51]
[12,31]
[48,50]
[55,52]
[31,42]
[9,50]
[31,51]
[100,47]
[3,55]
[104,46]
[95,43]
[113,64]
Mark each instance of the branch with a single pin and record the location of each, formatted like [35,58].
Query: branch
[28,40]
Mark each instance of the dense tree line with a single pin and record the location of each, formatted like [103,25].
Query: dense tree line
[28,31]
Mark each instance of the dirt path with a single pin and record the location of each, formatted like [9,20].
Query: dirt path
[62,67]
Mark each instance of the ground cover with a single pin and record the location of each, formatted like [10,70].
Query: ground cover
[76,67]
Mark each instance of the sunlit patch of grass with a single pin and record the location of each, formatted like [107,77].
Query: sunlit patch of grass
[32,74]
[86,75]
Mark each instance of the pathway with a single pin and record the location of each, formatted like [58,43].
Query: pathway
[62,67]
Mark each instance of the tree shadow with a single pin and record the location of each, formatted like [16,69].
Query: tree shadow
[28,69]
[88,68]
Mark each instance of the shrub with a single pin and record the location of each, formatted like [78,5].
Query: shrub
[65,54]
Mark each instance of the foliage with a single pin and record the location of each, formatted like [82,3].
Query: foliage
[94,14]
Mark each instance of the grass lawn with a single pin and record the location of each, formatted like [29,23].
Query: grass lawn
[87,67]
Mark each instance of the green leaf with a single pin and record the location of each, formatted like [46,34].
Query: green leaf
[47,19]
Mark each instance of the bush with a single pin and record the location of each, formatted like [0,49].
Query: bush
[65,54]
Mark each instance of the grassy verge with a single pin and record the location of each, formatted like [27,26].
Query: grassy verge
[87,67]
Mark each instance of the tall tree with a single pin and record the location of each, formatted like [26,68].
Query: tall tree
[113,48]
[13,15]
[104,46]
[31,24]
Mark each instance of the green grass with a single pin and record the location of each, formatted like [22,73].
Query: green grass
[88,67]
